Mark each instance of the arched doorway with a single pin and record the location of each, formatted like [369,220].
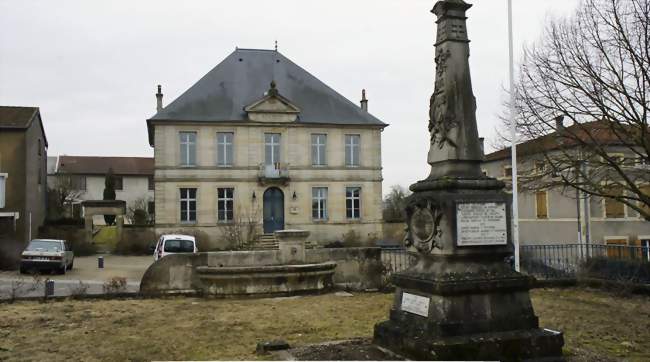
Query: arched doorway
[273,210]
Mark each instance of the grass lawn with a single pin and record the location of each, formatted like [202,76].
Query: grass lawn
[189,328]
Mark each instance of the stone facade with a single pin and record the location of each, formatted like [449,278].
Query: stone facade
[88,175]
[244,177]
[550,216]
[260,141]
[23,162]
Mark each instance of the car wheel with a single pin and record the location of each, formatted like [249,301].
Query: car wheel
[71,264]
[23,270]
[62,269]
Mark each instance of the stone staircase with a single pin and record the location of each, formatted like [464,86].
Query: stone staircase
[266,242]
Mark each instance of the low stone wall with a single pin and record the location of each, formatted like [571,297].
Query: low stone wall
[357,268]
[135,239]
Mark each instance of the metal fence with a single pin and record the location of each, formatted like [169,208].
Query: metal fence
[618,262]
[396,259]
[560,261]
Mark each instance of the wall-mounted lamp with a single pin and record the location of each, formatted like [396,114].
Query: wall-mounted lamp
[254,196]
[294,197]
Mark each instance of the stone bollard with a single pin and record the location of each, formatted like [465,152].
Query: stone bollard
[49,288]
[100,262]
[292,245]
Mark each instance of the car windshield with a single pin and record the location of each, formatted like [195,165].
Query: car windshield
[44,245]
[179,246]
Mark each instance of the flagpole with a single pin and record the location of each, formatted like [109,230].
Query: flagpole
[513,142]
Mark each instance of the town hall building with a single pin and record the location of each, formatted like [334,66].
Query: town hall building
[260,140]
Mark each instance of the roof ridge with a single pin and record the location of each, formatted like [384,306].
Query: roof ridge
[257,50]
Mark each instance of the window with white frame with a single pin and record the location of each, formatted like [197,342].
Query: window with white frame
[188,205]
[353,202]
[319,203]
[271,148]
[225,148]
[3,188]
[225,204]
[188,148]
[319,149]
[352,144]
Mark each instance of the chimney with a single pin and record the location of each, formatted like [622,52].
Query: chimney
[559,123]
[364,101]
[481,140]
[159,95]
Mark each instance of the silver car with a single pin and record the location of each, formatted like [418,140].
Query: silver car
[47,254]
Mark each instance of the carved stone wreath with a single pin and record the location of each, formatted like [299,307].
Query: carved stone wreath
[423,226]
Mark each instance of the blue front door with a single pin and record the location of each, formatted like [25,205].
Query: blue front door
[273,210]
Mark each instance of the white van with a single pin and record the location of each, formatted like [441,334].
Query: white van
[174,244]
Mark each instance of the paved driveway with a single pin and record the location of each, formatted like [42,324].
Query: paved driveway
[85,271]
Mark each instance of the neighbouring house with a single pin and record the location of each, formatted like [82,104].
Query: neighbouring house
[85,177]
[258,140]
[561,214]
[23,189]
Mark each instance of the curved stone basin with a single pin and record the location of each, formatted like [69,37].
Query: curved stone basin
[265,279]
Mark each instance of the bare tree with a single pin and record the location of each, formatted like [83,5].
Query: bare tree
[592,70]
[65,189]
[136,212]
[394,204]
[242,231]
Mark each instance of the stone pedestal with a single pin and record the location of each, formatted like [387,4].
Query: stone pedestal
[292,245]
[462,300]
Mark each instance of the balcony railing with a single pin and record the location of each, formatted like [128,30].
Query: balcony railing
[276,172]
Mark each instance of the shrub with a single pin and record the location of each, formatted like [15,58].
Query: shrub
[351,239]
[82,248]
[114,285]
[131,247]
[621,270]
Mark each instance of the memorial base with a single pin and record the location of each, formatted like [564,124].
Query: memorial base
[462,309]
[520,345]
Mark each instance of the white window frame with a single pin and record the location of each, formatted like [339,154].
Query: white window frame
[272,146]
[223,149]
[320,197]
[353,198]
[352,147]
[188,200]
[186,143]
[3,188]
[225,201]
[321,149]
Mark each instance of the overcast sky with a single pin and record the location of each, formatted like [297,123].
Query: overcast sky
[92,66]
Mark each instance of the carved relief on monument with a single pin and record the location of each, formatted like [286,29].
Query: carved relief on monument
[442,113]
[423,226]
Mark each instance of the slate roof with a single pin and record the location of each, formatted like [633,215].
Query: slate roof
[244,76]
[95,165]
[20,118]
[600,131]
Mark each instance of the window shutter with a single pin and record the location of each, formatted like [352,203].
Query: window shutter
[542,207]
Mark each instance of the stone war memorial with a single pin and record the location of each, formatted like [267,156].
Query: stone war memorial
[461,300]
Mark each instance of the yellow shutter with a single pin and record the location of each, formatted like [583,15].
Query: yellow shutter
[614,208]
[542,207]
[616,248]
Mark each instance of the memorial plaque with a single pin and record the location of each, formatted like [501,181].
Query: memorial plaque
[415,304]
[481,223]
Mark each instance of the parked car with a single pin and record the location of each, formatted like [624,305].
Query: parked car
[47,254]
[174,244]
